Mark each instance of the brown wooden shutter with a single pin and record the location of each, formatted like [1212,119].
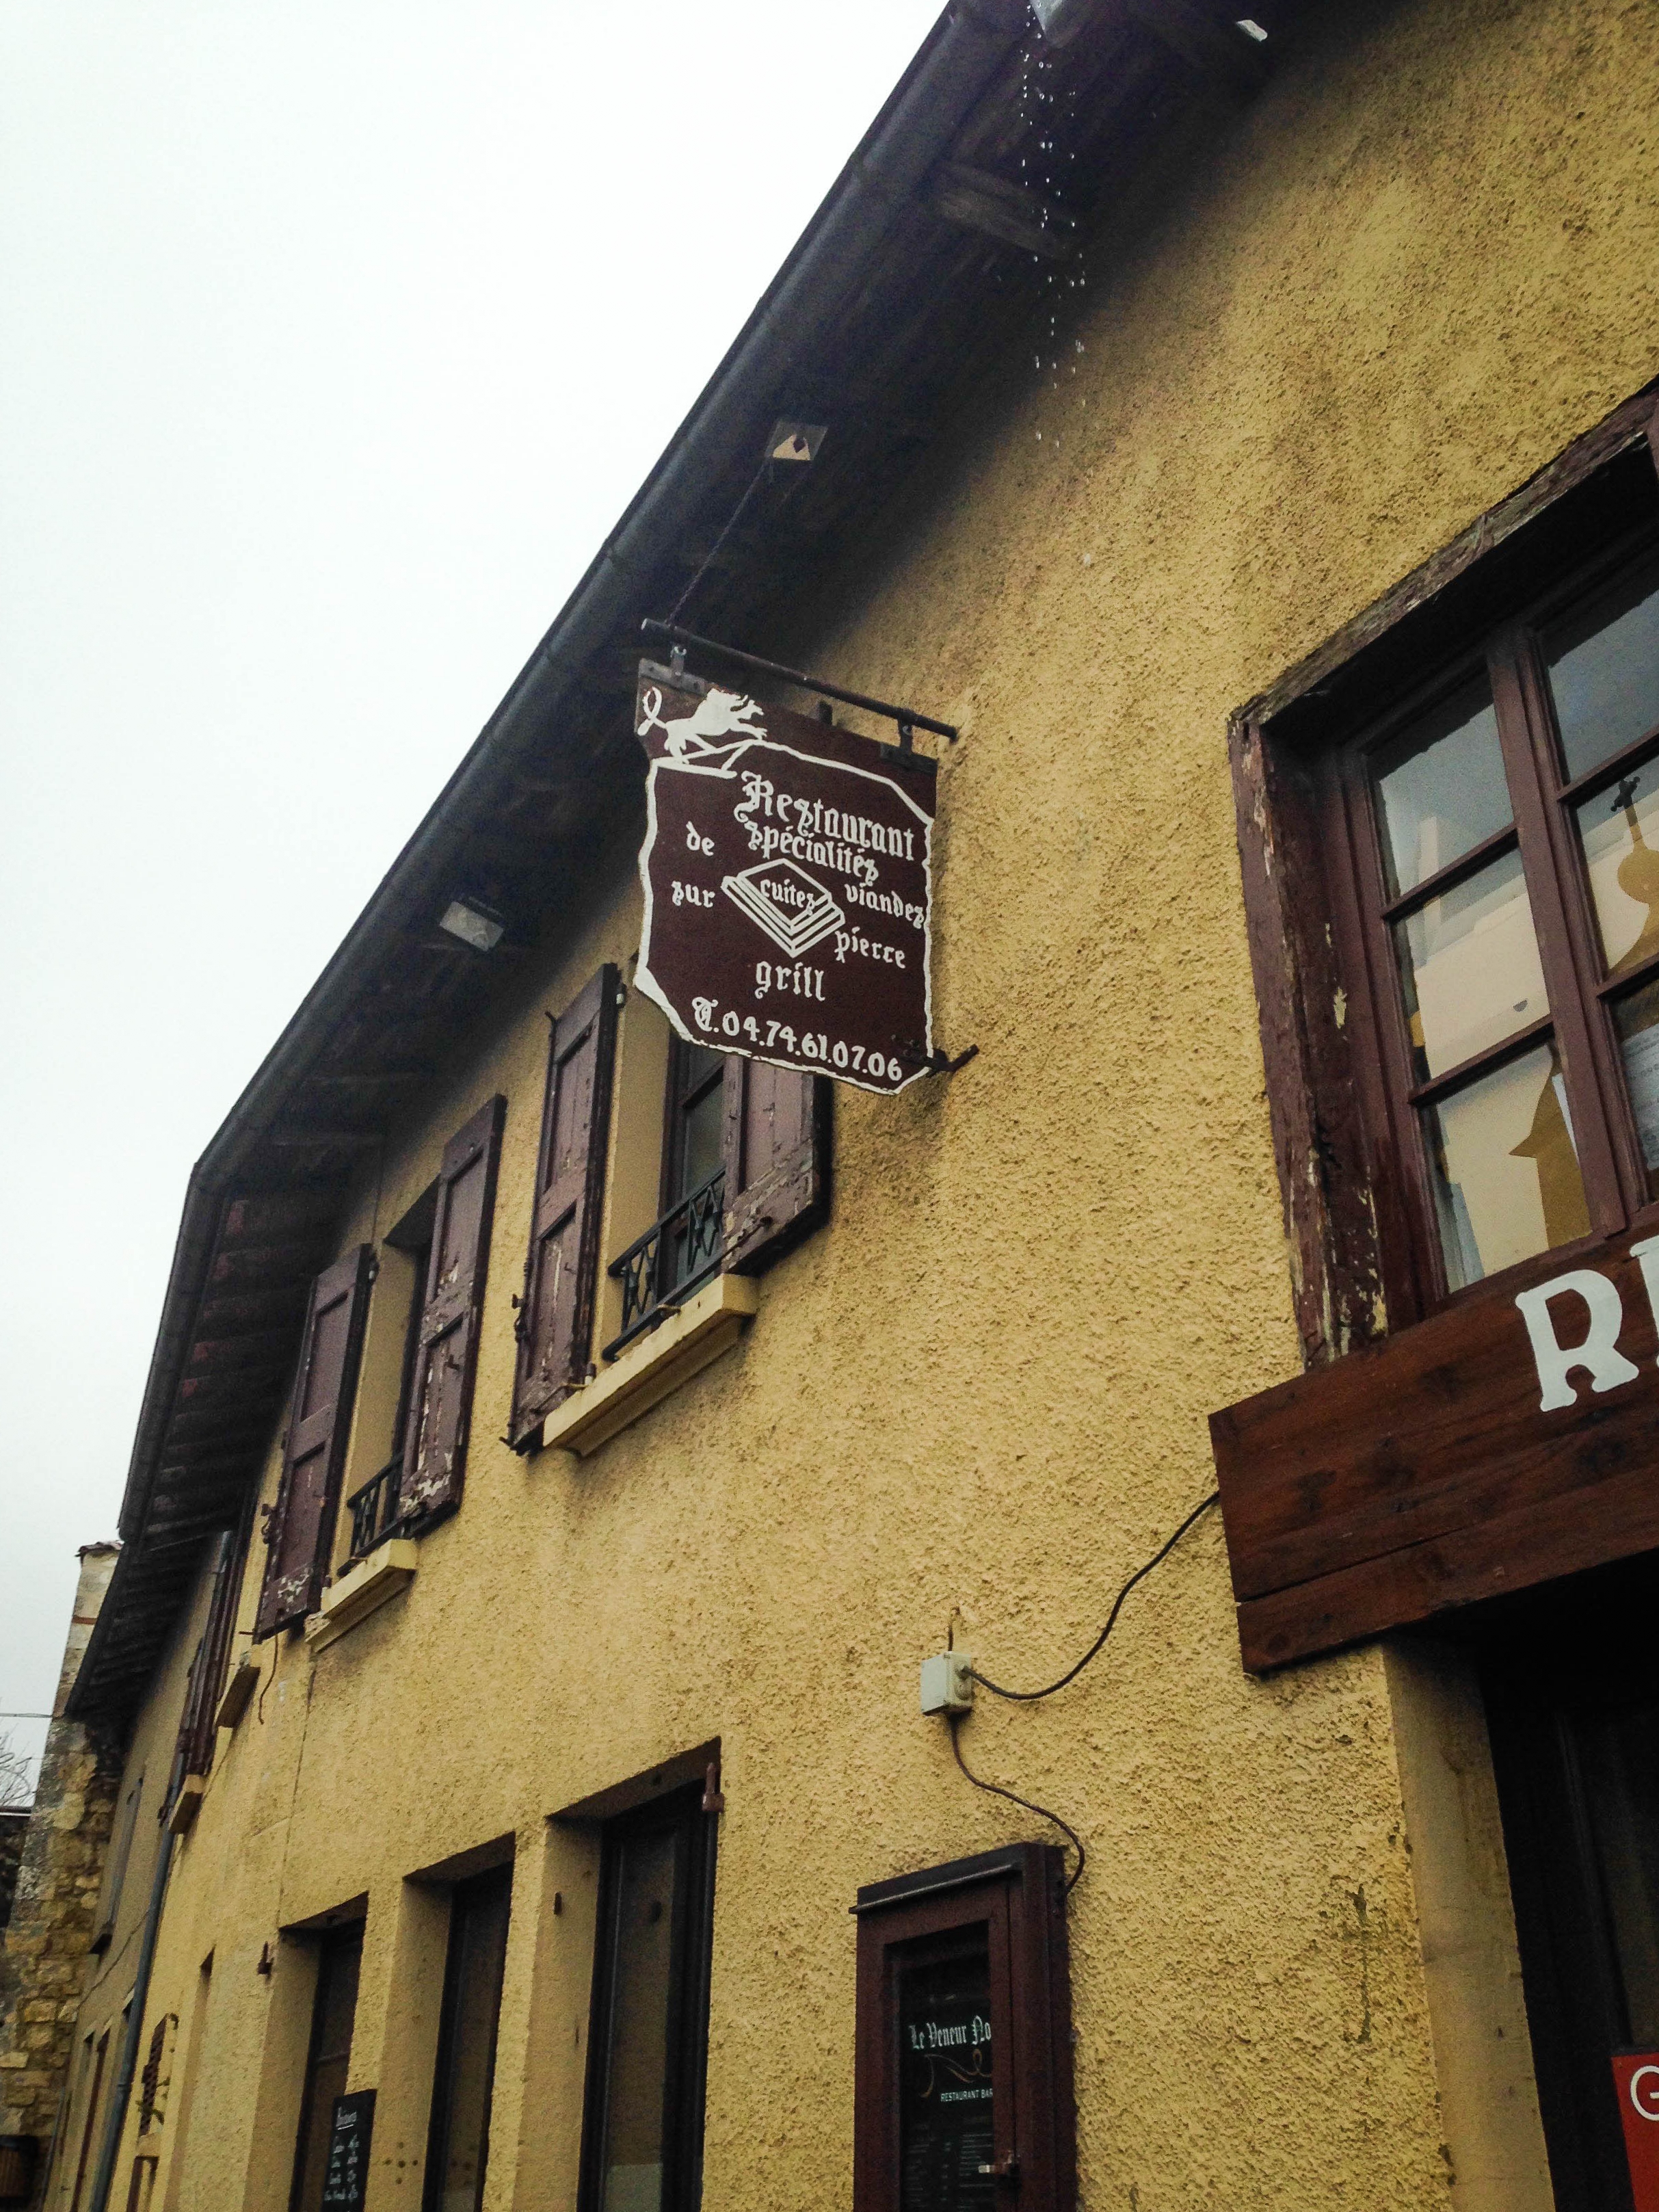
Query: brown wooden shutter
[199,1732]
[561,1270]
[446,1351]
[777,1161]
[303,1518]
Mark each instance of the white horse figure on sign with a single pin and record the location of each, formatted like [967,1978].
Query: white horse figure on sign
[688,740]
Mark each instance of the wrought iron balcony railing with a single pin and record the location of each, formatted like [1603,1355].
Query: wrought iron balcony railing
[673,1256]
[374,1510]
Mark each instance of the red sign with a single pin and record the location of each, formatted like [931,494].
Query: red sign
[787,868]
[1636,2077]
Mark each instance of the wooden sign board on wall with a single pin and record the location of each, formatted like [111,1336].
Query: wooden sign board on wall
[1510,1439]
[787,869]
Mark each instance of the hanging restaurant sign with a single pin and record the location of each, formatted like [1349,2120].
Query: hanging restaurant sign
[787,869]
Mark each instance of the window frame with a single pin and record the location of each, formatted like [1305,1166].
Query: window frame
[1511,657]
[334,1947]
[681,1097]
[1364,1250]
[684,1812]
[1018,1893]
[441,2114]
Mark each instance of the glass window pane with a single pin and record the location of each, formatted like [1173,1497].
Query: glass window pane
[1604,671]
[704,1124]
[637,2068]
[1440,788]
[1615,827]
[1619,1763]
[1469,968]
[1504,1168]
[333,2011]
[473,2000]
[946,2091]
[1637,1020]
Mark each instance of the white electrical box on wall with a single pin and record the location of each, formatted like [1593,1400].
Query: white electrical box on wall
[947,1682]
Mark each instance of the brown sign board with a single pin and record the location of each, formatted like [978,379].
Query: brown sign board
[1512,1438]
[787,868]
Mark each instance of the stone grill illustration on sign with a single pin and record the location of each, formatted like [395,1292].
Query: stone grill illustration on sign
[787,869]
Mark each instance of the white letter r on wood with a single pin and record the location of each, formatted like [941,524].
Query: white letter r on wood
[1599,1351]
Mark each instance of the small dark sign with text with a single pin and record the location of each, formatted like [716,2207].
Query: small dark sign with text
[1636,2081]
[788,875]
[946,2103]
[351,2131]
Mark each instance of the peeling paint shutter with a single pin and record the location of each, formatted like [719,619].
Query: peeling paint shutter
[777,1161]
[447,1353]
[556,1318]
[197,1733]
[303,1518]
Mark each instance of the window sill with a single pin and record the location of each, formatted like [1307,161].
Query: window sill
[362,1590]
[181,1819]
[708,1324]
[239,1694]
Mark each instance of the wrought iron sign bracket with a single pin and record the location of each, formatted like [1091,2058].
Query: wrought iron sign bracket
[907,717]
[938,1062]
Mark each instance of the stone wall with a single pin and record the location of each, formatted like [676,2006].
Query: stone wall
[44,1949]
[14,1827]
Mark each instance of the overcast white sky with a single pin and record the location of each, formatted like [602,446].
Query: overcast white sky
[327,358]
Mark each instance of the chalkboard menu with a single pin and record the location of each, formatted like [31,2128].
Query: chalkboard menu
[345,2184]
[946,2100]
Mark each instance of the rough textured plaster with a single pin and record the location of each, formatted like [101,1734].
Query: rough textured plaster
[1333,332]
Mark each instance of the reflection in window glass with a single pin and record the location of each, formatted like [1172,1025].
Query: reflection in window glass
[1440,788]
[947,2131]
[1615,827]
[458,2150]
[1636,1019]
[1469,968]
[702,1111]
[638,2056]
[1617,1748]
[642,2132]
[1504,1168]
[1604,671]
[333,2012]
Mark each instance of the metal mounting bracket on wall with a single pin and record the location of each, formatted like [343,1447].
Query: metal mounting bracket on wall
[907,717]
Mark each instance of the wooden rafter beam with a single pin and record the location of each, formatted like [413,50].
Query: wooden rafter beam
[1013,215]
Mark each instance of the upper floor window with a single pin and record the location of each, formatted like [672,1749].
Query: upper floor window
[1505,905]
[681,1161]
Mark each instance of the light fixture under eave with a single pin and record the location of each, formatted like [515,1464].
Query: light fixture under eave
[474,923]
[795,442]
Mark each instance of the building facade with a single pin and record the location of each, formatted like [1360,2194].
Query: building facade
[51,1926]
[567,1441]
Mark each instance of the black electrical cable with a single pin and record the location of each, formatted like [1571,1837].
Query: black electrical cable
[1028,1697]
[996,1789]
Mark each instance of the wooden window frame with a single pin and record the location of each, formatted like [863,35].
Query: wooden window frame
[685,1811]
[1018,1893]
[120,1852]
[1366,1256]
[330,1946]
[97,2054]
[680,1098]
[441,2118]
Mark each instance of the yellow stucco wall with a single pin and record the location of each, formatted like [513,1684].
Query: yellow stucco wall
[1341,326]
